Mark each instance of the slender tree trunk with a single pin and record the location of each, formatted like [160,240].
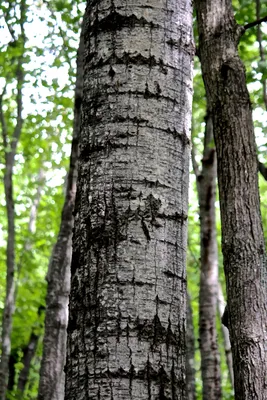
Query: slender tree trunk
[28,354]
[52,377]
[10,147]
[126,333]
[226,337]
[206,185]
[242,235]
[190,353]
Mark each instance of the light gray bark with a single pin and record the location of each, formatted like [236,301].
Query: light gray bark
[126,333]
[208,340]
[52,376]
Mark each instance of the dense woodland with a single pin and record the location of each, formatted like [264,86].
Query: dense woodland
[52,93]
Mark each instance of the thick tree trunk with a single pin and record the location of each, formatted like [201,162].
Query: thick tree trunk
[242,235]
[190,353]
[206,185]
[126,333]
[52,377]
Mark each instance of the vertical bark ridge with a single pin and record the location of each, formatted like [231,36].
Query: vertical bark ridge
[126,334]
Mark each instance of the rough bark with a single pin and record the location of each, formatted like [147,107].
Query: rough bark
[52,376]
[10,146]
[226,337]
[126,333]
[190,353]
[242,235]
[206,187]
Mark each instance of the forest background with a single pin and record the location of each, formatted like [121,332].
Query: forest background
[46,52]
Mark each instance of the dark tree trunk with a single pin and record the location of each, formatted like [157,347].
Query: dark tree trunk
[206,185]
[52,377]
[28,354]
[242,235]
[126,333]
[190,353]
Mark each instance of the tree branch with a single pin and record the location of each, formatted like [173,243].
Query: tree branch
[255,23]
[263,170]
[3,120]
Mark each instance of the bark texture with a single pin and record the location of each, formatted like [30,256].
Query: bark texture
[242,235]
[206,186]
[190,353]
[52,376]
[126,333]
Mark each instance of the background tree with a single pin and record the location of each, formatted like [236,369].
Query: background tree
[208,296]
[52,377]
[10,143]
[126,333]
[242,235]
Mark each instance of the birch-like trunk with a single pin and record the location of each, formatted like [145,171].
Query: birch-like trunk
[126,333]
[52,376]
[208,340]
[242,236]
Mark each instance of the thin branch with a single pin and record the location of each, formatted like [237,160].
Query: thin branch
[255,23]
[194,161]
[263,170]
[3,120]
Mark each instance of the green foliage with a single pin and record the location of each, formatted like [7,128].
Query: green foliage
[49,62]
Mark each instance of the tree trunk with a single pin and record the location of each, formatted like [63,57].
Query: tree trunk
[242,236]
[190,353]
[226,338]
[52,377]
[10,143]
[28,354]
[206,185]
[126,333]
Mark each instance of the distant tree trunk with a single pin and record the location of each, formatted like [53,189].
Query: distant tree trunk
[206,187]
[226,338]
[261,50]
[28,354]
[52,377]
[10,143]
[242,234]
[190,353]
[126,333]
